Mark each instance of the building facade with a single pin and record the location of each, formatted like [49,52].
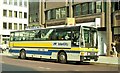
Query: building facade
[86,13]
[13,16]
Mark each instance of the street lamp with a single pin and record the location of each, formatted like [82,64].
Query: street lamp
[108,26]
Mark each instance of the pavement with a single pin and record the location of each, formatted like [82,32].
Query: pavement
[108,60]
[101,60]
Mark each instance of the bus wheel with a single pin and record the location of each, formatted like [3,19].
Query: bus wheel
[62,58]
[22,54]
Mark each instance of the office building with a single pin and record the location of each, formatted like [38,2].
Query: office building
[13,16]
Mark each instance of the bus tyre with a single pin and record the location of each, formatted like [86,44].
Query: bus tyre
[22,54]
[62,58]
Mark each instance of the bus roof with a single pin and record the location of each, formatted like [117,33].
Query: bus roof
[53,27]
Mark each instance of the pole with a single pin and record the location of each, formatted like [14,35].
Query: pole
[109,32]
[43,13]
[70,9]
[40,12]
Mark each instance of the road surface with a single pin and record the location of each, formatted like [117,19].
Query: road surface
[10,63]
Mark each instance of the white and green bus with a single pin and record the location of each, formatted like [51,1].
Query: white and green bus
[70,43]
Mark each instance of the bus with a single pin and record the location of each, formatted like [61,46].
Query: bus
[70,43]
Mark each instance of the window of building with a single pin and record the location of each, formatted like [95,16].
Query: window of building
[4,12]
[67,11]
[15,2]
[10,25]
[15,26]
[25,15]
[10,13]
[45,5]
[58,13]
[5,1]
[4,25]
[91,7]
[84,8]
[98,6]
[20,14]
[25,3]
[48,15]
[63,12]
[15,14]
[10,2]
[20,2]
[53,14]
[77,10]
[25,25]
[119,5]
[20,26]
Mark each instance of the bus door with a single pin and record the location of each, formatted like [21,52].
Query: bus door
[81,39]
[89,37]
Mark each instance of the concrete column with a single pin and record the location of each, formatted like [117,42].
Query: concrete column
[103,16]
[70,9]
[1,38]
[40,12]
[114,20]
[43,13]
[109,31]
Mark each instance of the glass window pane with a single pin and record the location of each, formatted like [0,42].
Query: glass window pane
[31,35]
[4,25]
[20,26]
[10,25]
[15,2]
[63,12]
[16,36]
[10,13]
[25,3]
[53,14]
[5,1]
[20,2]
[57,13]
[25,25]
[20,14]
[84,8]
[45,34]
[98,6]
[15,14]
[25,15]
[10,2]
[4,12]
[48,15]
[77,10]
[15,26]
[91,8]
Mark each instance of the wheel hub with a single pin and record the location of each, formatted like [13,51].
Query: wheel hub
[62,57]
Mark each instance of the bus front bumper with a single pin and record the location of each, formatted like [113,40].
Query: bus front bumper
[88,58]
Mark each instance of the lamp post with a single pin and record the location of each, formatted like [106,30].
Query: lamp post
[41,13]
[108,25]
[70,9]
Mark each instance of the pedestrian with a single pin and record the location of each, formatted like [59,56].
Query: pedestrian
[114,52]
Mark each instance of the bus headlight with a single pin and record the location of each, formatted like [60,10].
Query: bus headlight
[88,53]
[96,53]
[83,53]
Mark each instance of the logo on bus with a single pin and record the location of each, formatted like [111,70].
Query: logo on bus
[60,44]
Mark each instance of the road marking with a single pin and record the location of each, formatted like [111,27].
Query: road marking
[43,68]
[2,62]
[77,70]
[47,68]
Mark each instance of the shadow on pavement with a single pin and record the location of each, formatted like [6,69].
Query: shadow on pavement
[7,67]
[54,61]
